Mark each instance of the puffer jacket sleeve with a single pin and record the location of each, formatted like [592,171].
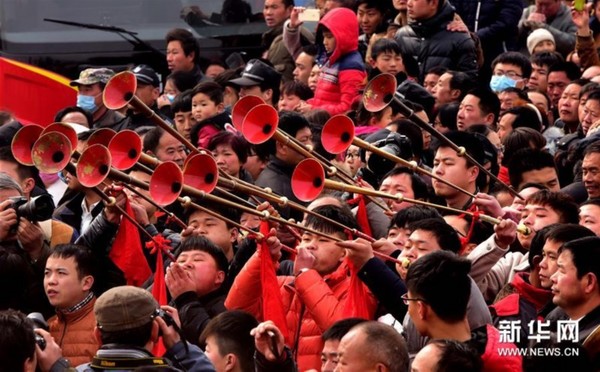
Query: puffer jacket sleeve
[245,293]
[385,285]
[325,306]
[506,21]
[466,57]
[350,82]
[194,315]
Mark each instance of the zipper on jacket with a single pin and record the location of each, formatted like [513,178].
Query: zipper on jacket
[297,337]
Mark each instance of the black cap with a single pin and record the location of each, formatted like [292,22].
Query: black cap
[257,72]
[146,75]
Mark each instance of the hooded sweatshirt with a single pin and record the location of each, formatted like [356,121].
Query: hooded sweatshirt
[343,72]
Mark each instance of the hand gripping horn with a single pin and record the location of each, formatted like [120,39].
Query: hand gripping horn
[93,166]
[125,148]
[381,91]
[241,109]
[23,141]
[51,152]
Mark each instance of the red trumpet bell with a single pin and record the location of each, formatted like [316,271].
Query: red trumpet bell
[201,172]
[241,109]
[52,152]
[125,148]
[93,166]
[260,123]
[308,180]
[65,129]
[23,141]
[119,90]
[379,92]
[101,137]
[166,183]
[337,134]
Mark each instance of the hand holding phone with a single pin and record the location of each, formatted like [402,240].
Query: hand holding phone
[309,15]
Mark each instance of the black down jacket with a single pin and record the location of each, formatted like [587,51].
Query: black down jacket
[432,45]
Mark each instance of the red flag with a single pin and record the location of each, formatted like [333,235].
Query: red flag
[356,303]
[361,214]
[272,304]
[127,253]
[159,291]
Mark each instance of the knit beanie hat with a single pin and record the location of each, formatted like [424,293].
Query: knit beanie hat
[537,36]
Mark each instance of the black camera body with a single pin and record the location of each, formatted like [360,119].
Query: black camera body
[39,322]
[395,144]
[166,317]
[38,208]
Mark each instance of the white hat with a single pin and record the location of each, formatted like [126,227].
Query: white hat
[536,37]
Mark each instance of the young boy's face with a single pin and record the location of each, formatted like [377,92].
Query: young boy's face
[328,255]
[536,216]
[288,102]
[184,121]
[368,19]
[213,229]
[203,269]
[389,62]
[203,107]
[328,42]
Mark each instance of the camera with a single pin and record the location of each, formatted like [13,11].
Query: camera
[395,144]
[166,317]
[38,208]
[39,322]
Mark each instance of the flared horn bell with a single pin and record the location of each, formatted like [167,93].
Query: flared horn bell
[22,143]
[201,172]
[125,148]
[308,180]
[93,165]
[119,90]
[51,152]
[260,123]
[379,92]
[241,109]
[65,129]
[337,134]
[102,136]
[166,183]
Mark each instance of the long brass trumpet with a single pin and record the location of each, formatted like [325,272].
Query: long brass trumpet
[381,91]
[308,181]
[338,135]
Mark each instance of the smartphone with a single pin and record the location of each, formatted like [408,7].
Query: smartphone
[579,5]
[309,15]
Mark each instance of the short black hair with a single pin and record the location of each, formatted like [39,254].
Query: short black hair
[569,68]
[17,340]
[334,212]
[437,70]
[445,235]
[516,59]
[489,103]
[419,186]
[297,88]
[561,203]
[456,356]
[203,244]
[212,90]
[183,102]
[447,114]
[24,171]
[442,280]
[189,44]
[592,148]
[236,141]
[461,81]
[290,123]
[585,253]
[525,117]
[405,217]
[340,328]
[470,142]
[521,138]
[216,207]
[385,45]
[547,59]
[557,232]
[411,130]
[152,139]
[83,257]
[231,331]
[526,160]
[183,80]
[70,109]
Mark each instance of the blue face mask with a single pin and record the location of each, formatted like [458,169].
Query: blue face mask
[86,102]
[170,97]
[499,83]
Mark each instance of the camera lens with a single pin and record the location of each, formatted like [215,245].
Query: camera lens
[39,208]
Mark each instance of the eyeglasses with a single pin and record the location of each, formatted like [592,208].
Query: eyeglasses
[353,155]
[406,299]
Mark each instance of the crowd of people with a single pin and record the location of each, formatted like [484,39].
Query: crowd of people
[463,263]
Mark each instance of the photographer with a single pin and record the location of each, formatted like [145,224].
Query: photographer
[22,245]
